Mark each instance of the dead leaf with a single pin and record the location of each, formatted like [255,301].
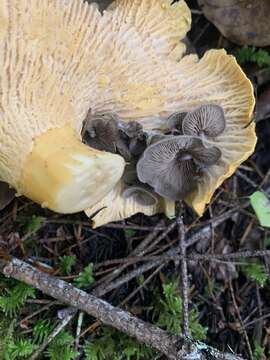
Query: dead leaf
[244,22]
[6,195]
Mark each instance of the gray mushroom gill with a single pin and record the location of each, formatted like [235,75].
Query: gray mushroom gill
[166,164]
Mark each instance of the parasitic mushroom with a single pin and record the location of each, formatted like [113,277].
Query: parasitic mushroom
[106,132]
[175,122]
[59,58]
[132,133]
[207,120]
[101,132]
[172,166]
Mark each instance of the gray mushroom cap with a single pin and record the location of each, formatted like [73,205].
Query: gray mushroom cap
[175,122]
[132,129]
[105,131]
[206,120]
[102,132]
[172,166]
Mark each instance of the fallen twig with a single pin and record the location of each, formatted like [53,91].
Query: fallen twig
[172,255]
[240,321]
[50,338]
[184,271]
[79,329]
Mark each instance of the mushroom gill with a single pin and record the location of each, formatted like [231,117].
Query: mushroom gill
[101,132]
[207,120]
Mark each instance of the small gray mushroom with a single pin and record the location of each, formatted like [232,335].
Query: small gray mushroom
[130,174]
[175,122]
[101,132]
[208,120]
[205,156]
[132,129]
[105,131]
[142,195]
[172,166]
[132,134]
[155,136]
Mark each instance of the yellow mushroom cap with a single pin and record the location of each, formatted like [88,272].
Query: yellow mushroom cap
[59,58]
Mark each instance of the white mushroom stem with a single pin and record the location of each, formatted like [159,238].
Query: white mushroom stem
[65,175]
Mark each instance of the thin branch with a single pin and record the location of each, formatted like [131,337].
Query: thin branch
[79,329]
[37,312]
[50,338]
[257,320]
[141,248]
[101,291]
[184,271]
[146,281]
[172,255]
[241,321]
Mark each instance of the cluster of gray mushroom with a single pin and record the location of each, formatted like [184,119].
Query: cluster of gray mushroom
[167,163]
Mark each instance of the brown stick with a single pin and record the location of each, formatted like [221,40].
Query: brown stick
[174,347]
[184,272]
[241,321]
